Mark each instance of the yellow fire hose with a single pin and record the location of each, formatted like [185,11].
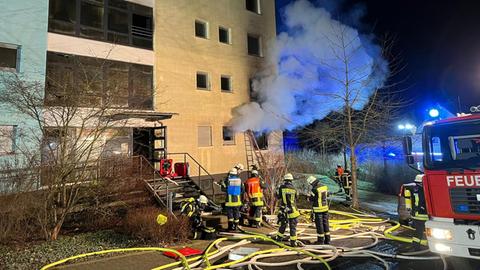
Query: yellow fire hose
[351,221]
[102,252]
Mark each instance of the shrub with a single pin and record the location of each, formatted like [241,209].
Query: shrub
[142,223]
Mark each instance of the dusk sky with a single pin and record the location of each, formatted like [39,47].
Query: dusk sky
[437,41]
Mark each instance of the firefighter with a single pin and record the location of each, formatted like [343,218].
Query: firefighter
[254,195]
[288,212]
[347,184]
[193,209]
[319,201]
[232,185]
[338,176]
[419,211]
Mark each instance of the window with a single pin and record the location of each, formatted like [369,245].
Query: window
[254,45]
[262,140]
[104,82]
[119,21]
[224,35]
[253,5]
[7,139]
[202,81]
[91,15]
[201,29]
[436,152]
[228,136]
[8,57]
[226,83]
[204,136]
[62,16]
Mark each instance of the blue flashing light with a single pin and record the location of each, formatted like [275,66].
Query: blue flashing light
[401,127]
[462,208]
[434,113]
[391,154]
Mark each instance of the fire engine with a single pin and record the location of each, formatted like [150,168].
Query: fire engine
[451,182]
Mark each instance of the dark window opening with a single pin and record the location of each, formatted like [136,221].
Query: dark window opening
[91,15]
[225,83]
[201,29]
[224,35]
[62,16]
[142,30]
[228,136]
[202,80]
[120,22]
[253,6]
[8,58]
[86,82]
[262,141]
[254,46]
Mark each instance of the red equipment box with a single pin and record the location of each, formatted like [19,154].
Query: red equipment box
[182,169]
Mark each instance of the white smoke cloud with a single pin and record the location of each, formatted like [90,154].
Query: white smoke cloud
[309,76]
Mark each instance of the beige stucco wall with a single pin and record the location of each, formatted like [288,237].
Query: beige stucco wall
[178,57]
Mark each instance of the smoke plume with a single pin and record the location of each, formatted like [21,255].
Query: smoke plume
[309,79]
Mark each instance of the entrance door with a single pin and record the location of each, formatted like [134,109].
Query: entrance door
[150,143]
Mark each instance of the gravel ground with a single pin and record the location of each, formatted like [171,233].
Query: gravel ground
[36,255]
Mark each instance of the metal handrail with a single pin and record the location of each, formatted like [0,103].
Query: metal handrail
[200,169]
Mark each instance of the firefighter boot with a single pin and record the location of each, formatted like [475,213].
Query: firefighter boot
[293,243]
[230,226]
[319,241]
[327,239]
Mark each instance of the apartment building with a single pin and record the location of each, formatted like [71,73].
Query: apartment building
[176,65]
[206,53]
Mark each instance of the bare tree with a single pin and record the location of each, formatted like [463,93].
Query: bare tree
[366,108]
[74,116]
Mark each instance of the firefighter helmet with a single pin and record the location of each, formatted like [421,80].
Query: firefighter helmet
[419,178]
[203,199]
[311,179]
[239,167]
[233,171]
[255,172]
[288,177]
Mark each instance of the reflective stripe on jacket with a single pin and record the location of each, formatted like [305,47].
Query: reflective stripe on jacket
[254,191]
[419,208]
[288,196]
[320,193]
[234,190]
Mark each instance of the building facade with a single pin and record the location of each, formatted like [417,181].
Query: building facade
[23,46]
[180,64]
[206,53]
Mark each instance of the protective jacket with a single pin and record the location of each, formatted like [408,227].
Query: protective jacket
[233,187]
[419,208]
[254,191]
[319,197]
[287,194]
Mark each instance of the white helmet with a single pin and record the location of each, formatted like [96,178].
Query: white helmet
[254,172]
[288,177]
[419,178]
[311,179]
[233,171]
[239,167]
[203,199]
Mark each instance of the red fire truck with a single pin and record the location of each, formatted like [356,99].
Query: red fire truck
[451,158]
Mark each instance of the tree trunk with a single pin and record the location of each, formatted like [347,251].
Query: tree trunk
[353,165]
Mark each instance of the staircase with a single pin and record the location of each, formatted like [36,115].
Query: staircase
[169,192]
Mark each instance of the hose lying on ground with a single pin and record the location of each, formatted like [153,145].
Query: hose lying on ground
[353,225]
